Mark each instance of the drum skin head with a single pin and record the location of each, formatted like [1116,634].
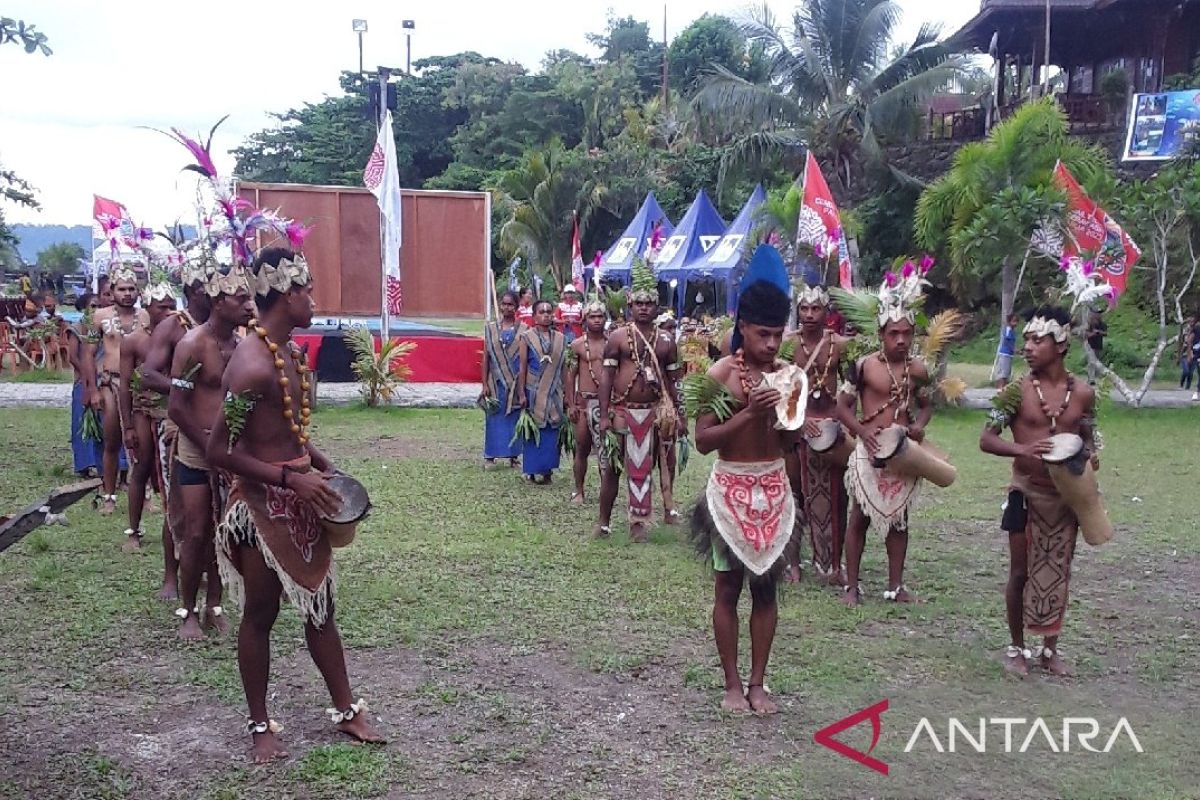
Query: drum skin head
[890,440]
[355,502]
[1066,447]
[828,436]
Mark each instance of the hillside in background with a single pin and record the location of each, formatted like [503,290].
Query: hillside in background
[36,238]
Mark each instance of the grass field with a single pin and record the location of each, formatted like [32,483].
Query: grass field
[507,655]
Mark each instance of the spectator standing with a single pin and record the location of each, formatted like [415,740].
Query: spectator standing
[568,315]
[1097,330]
[1187,364]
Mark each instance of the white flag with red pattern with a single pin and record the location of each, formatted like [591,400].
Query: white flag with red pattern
[382,178]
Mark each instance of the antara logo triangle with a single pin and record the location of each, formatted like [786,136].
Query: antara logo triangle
[824,737]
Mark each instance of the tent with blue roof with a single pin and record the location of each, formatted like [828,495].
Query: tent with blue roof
[722,262]
[696,235]
[617,262]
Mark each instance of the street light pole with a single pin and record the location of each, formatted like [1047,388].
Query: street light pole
[1046,54]
[409,26]
[359,26]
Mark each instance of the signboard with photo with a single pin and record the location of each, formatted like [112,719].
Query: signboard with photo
[1162,125]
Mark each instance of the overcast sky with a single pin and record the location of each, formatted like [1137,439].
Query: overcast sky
[72,124]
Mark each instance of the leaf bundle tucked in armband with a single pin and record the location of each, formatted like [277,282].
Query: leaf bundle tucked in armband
[237,408]
[704,395]
[1005,406]
[787,351]
[571,360]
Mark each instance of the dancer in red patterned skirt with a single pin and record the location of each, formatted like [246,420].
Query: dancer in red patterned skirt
[747,512]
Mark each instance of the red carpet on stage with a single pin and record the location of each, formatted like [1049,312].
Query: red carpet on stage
[436,359]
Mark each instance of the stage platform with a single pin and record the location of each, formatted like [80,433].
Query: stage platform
[441,355]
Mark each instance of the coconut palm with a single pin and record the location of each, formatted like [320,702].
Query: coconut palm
[546,191]
[836,84]
[985,210]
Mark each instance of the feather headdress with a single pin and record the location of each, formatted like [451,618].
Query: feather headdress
[1084,283]
[899,297]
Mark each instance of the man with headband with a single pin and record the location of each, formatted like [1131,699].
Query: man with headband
[584,366]
[101,363]
[1042,528]
[272,542]
[745,517]
[142,409]
[639,402]
[197,369]
[819,352]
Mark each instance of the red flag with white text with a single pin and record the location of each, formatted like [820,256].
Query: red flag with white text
[820,224]
[1091,231]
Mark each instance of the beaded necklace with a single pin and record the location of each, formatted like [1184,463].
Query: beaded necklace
[587,356]
[634,335]
[1054,415]
[899,393]
[817,385]
[744,372]
[299,429]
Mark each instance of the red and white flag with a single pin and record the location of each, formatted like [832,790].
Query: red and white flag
[1090,232]
[576,255]
[820,225]
[112,219]
[382,178]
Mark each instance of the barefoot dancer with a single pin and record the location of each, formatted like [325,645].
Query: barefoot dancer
[888,383]
[543,354]
[500,400]
[156,372]
[141,408]
[197,367]
[1041,527]
[271,543]
[639,402]
[747,511]
[583,398]
[819,353]
[102,363]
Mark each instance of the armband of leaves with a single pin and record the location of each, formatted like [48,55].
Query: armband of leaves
[704,395]
[571,360]
[1005,406]
[237,408]
[787,351]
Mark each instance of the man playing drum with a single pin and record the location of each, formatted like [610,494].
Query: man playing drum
[887,385]
[819,352]
[1041,526]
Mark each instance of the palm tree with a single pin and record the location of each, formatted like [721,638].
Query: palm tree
[999,193]
[546,191]
[835,85]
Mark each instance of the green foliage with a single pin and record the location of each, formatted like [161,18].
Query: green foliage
[837,84]
[710,41]
[60,259]
[702,394]
[237,407]
[983,212]
[526,429]
[380,372]
[14,31]
[90,428]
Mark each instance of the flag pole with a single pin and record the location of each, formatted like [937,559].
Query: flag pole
[385,318]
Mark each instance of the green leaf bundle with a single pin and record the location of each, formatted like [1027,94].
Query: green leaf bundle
[237,408]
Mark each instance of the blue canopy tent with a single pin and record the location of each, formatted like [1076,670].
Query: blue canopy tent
[696,235]
[617,263]
[722,263]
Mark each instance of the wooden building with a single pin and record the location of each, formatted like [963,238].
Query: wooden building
[1148,40]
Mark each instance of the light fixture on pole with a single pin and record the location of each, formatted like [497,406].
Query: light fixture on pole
[359,26]
[409,26]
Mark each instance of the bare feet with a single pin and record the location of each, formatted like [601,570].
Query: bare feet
[852,596]
[108,507]
[791,573]
[190,631]
[601,531]
[1056,666]
[836,578]
[577,497]
[671,517]
[216,621]
[1014,664]
[267,748]
[637,532]
[132,543]
[361,729]
[735,700]
[169,591]
[902,595]
[760,701]
[514,463]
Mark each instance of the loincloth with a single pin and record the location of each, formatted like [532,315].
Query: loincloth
[165,435]
[881,494]
[636,423]
[592,410]
[746,516]
[1051,529]
[150,404]
[190,454]
[288,533]
[824,490]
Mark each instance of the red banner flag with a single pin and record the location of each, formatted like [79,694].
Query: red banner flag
[110,216]
[820,225]
[1091,231]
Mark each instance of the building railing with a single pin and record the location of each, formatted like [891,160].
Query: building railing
[1087,113]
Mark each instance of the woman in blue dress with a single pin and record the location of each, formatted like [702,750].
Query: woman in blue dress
[543,354]
[501,401]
